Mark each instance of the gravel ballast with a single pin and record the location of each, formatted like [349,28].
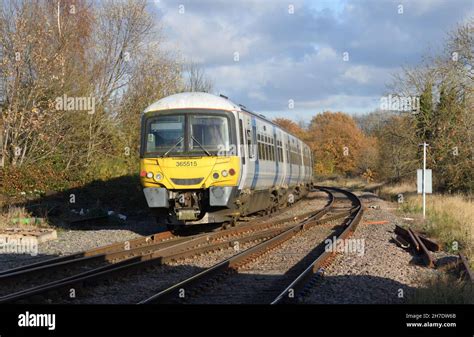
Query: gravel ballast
[384,274]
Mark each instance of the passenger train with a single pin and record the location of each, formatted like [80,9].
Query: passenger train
[205,159]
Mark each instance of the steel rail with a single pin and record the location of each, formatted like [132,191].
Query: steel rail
[114,255]
[155,258]
[128,248]
[198,244]
[138,242]
[234,262]
[292,291]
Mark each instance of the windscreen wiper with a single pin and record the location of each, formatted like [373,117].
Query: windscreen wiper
[174,146]
[200,145]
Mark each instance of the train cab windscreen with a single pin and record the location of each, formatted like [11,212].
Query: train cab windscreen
[209,133]
[165,133]
[183,134]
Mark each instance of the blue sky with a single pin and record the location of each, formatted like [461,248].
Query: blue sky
[299,56]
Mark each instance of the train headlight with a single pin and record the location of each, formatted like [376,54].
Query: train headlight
[218,192]
[224,173]
[158,176]
[149,175]
[215,175]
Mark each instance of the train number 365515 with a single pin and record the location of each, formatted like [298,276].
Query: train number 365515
[187,163]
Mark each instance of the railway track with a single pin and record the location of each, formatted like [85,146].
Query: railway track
[33,282]
[212,285]
[306,279]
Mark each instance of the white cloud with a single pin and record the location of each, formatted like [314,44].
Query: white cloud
[299,56]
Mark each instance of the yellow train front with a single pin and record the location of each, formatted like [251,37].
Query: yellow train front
[205,159]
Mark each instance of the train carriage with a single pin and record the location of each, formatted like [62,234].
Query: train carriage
[205,159]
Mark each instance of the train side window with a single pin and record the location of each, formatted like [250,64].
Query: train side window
[288,158]
[241,133]
[251,148]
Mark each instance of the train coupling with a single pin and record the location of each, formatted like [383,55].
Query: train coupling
[187,206]
[187,214]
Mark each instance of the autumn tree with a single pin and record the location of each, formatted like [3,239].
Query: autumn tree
[339,146]
[397,150]
[152,79]
[370,122]
[291,127]
[38,66]
[195,79]
[106,53]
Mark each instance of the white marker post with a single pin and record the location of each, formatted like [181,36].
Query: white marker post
[424,180]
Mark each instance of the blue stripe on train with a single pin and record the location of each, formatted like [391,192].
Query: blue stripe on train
[254,142]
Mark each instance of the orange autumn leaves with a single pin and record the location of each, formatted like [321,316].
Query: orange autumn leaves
[338,145]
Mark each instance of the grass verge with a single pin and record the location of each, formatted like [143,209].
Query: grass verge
[444,289]
[19,217]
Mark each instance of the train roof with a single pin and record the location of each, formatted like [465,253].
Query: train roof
[193,100]
[203,100]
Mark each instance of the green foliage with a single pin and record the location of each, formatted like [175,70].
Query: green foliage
[424,117]
[110,167]
[444,120]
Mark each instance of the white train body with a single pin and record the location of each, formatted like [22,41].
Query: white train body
[272,167]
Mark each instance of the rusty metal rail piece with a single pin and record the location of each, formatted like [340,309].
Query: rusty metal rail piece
[468,273]
[426,255]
